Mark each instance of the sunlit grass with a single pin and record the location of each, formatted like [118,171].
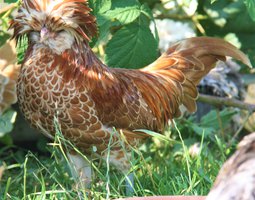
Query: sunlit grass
[160,167]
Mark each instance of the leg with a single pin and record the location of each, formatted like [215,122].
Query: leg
[121,160]
[80,169]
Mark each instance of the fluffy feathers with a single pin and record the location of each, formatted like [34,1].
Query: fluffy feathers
[236,179]
[87,97]
[70,15]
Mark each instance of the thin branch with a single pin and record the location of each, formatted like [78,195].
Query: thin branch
[238,131]
[180,17]
[221,101]
[174,17]
[8,8]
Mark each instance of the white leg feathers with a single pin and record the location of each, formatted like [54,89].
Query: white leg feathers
[80,169]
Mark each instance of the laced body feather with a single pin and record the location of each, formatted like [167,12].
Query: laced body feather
[62,78]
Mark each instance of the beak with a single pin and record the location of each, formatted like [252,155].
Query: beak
[44,34]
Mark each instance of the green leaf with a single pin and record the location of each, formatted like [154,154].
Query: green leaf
[250,4]
[132,46]
[6,140]
[123,11]
[209,123]
[21,48]
[104,26]
[100,6]
[202,130]
[151,3]
[125,15]
[211,119]
[6,122]
[148,13]
[124,3]
[10,1]
[3,37]
[224,17]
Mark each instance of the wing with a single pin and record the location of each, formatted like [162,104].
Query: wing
[123,105]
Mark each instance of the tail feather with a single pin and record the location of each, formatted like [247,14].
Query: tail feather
[198,46]
[187,62]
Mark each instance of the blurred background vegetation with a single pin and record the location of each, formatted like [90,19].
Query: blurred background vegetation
[143,29]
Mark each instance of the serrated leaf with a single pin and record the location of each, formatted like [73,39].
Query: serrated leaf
[206,131]
[124,11]
[104,26]
[125,15]
[132,46]
[100,6]
[6,122]
[146,11]
[211,119]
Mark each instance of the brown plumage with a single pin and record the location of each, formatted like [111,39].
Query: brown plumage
[61,77]
[236,179]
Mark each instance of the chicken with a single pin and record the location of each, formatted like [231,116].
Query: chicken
[61,78]
[236,179]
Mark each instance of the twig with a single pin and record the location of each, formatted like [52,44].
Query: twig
[239,130]
[221,101]
[174,17]
[180,17]
[7,8]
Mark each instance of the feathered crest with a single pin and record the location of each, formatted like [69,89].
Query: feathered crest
[72,15]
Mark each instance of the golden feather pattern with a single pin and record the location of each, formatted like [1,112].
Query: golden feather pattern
[87,97]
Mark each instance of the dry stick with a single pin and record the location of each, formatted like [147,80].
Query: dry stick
[239,130]
[221,101]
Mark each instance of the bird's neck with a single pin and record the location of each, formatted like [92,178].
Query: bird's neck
[83,61]
[86,58]
[78,64]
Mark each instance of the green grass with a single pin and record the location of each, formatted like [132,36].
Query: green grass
[160,166]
